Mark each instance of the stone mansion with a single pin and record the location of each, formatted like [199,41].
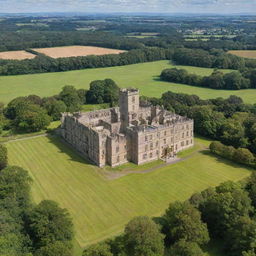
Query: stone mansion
[131,132]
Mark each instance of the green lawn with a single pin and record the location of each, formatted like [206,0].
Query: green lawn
[100,208]
[143,76]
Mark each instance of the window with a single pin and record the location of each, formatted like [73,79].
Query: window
[182,135]
[176,146]
[165,133]
[146,138]
[187,142]
[182,143]
[187,133]
[151,155]
[157,144]
[151,146]
[146,147]
[145,156]
[133,107]
[164,141]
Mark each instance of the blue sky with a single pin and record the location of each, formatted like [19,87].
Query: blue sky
[162,6]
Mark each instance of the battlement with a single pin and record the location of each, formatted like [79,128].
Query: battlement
[129,91]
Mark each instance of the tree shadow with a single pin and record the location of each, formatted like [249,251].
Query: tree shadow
[65,148]
[157,78]
[222,160]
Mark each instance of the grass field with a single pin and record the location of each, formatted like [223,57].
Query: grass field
[251,54]
[100,208]
[143,76]
[16,55]
[74,51]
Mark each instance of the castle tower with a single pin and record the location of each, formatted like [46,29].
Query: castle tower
[129,102]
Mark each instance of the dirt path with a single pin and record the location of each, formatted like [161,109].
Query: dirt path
[116,175]
[26,138]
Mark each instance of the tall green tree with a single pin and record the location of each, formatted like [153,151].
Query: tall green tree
[70,97]
[183,221]
[184,248]
[221,209]
[241,236]
[15,185]
[31,118]
[48,223]
[55,249]
[142,237]
[100,249]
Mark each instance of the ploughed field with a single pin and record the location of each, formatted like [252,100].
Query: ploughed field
[144,76]
[101,207]
[244,53]
[16,55]
[75,51]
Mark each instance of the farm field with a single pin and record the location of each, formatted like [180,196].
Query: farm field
[74,51]
[16,55]
[244,53]
[100,207]
[143,76]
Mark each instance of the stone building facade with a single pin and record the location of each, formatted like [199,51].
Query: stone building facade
[131,132]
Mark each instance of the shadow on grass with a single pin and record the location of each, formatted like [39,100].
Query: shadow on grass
[157,78]
[222,160]
[65,148]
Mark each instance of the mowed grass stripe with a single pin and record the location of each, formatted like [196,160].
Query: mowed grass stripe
[144,76]
[100,208]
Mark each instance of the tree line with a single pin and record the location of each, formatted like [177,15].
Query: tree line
[238,155]
[26,228]
[33,113]
[213,58]
[11,41]
[217,80]
[227,120]
[183,56]
[41,63]
[225,213]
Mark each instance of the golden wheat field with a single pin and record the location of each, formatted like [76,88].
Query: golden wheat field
[74,51]
[16,55]
[245,54]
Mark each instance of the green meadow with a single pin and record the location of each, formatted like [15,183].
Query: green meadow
[101,206]
[144,76]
